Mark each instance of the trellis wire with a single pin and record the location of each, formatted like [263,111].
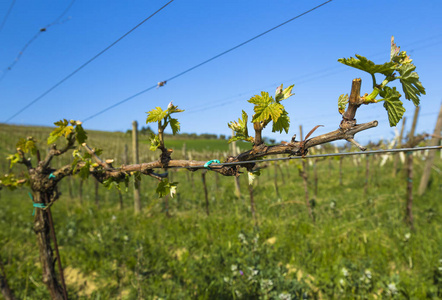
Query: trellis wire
[316,156]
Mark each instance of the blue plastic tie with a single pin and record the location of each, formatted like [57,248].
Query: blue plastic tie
[207,164]
[51,176]
[39,205]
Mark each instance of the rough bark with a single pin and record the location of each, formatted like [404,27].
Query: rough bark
[42,231]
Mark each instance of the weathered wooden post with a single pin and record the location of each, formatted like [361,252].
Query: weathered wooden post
[135,159]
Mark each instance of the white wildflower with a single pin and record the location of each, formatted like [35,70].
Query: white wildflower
[266,284]
[285,296]
[344,272]
[234,268]
[392,288]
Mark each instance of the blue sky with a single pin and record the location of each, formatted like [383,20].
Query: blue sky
[303,52]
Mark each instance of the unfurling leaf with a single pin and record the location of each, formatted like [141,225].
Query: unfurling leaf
[394,49]
[154,142]
[362,63]
[393,105]
[253,175]
[342,103]
[410,83]
[283,94]
[240,129]
[165,187]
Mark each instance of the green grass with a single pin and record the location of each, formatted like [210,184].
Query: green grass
[358,248]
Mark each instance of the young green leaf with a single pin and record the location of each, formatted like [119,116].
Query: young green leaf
[393,105]
[156,115]
[13,158]
[154,142]
[362,63]
[410,83]
[80,134]
[62,129]
[175,125]
[84,170]
[342,103]
[9,181]
[266,108]
[283,123]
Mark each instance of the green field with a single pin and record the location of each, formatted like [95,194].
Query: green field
[359,247]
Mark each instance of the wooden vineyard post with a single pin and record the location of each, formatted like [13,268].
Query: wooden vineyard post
[303,174]
[409,206]
[409,171]
[237,183]
[367,173]
[135,159]
[252,205]
[431,154]
[97,195]
[340,170]
[399,145]
[276,179]
[206,196]
[315,174]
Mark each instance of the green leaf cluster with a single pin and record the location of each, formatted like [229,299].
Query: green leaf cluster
[267,109]
[67,129]
[86,158]
[10,181]
[27,145]
[163,117]
[166,187]
[399,62]
[154,142]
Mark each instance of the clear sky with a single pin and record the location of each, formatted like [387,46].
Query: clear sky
[303,52]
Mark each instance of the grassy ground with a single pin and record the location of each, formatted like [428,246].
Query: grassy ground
[358,248]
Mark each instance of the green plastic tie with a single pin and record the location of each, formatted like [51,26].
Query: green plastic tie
[52,176]
[207,164]
[39,205]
